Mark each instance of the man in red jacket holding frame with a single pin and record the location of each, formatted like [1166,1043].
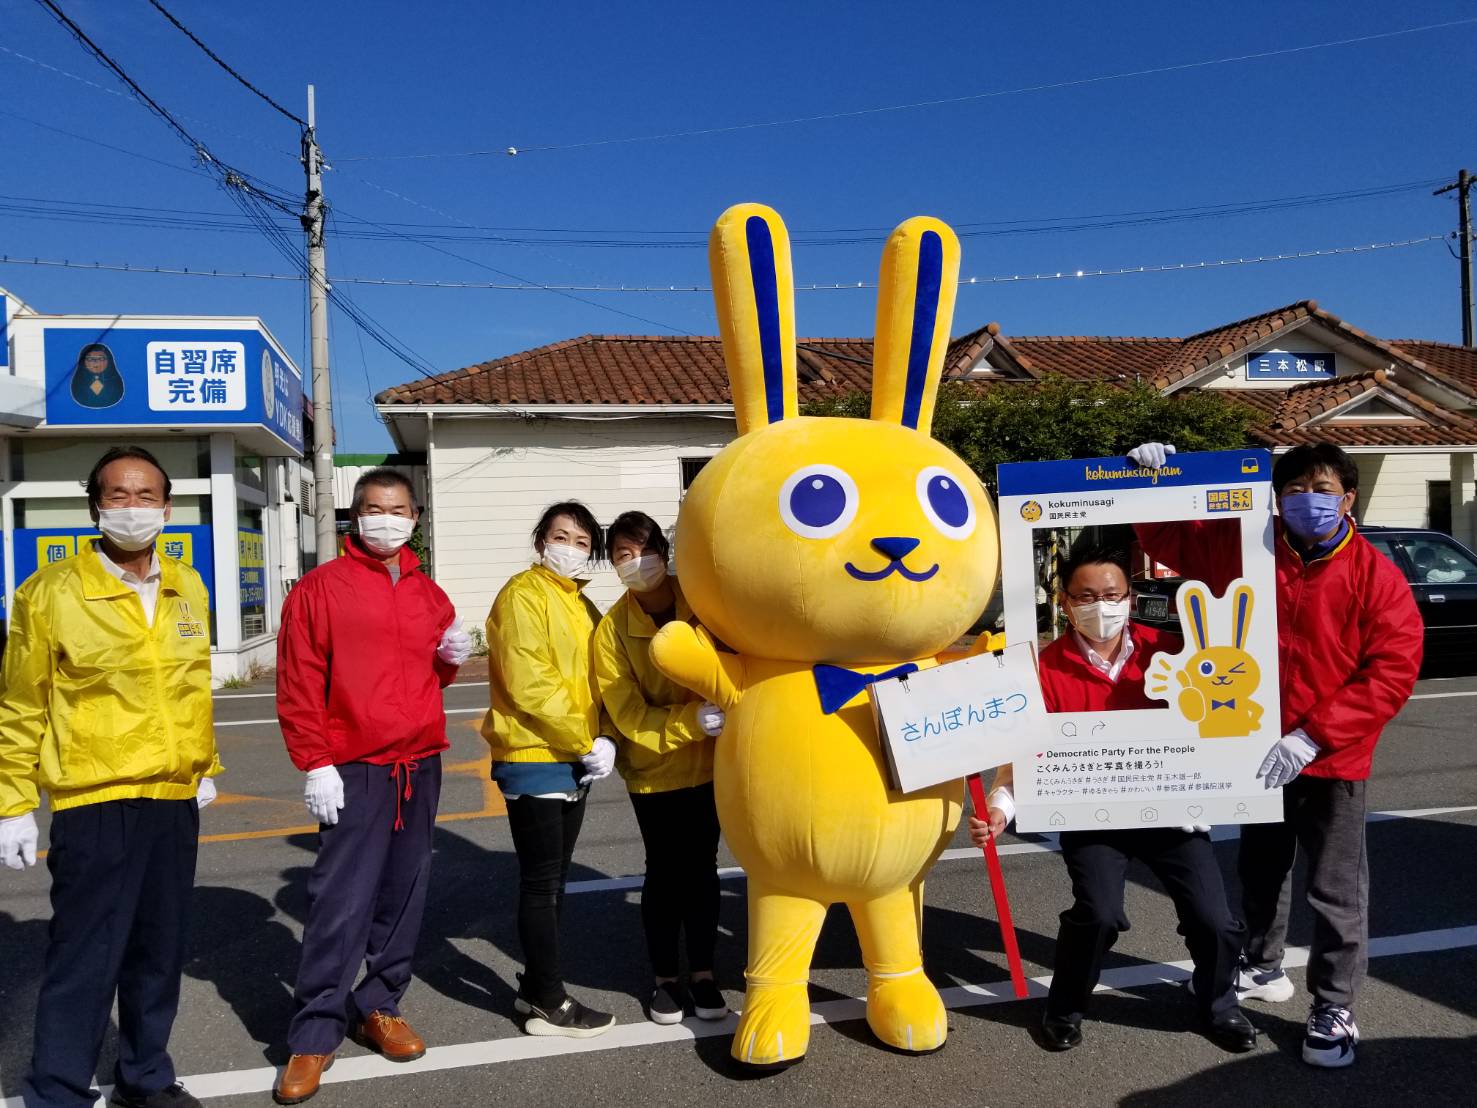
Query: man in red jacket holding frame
[1349,639]
[367,643]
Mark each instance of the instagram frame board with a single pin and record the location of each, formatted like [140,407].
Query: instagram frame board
[1206,710]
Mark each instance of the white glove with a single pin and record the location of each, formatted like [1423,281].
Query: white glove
[323,793]
[1195,828]
[204,792]
[710,718]
[18,839]
[1001,798]
[599,762]
[1287,758]
[455,646]
[1150,455]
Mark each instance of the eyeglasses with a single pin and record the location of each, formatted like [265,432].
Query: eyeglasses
[1094,597]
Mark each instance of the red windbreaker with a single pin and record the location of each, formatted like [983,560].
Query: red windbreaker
[1070,683]
[358,679]
[1349,635]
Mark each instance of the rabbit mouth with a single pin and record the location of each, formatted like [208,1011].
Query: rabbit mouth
[1221,681]
[894,566]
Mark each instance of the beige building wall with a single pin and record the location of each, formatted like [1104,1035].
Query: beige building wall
[1393,488]
[491,479]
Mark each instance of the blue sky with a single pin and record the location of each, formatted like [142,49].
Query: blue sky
[447,78]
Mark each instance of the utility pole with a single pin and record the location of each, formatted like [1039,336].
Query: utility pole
[1463,185]
[326,529]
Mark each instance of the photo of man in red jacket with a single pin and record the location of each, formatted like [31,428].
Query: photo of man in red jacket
[367,643]
[1349,639]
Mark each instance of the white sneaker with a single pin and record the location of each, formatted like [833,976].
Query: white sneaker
[1331,1037]
[1270,985]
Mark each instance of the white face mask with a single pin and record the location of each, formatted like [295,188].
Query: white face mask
[1100,620]
[642,574]
[131,529]
[566,561]
[385,534]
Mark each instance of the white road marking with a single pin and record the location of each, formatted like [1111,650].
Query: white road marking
[273,719]
[517,1048]
[1442,695]
[1222,833]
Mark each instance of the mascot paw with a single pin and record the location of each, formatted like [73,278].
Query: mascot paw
[774,1028]
[906,1012]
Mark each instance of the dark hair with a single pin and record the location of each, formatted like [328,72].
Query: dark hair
[117,454]
[1086,553]
[581,515]
[641,529]
[381,477]
[1304,461]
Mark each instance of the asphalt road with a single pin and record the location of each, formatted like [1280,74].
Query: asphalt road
[1417,1015]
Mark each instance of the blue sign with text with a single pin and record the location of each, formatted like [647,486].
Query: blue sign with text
[1211,467]
[1282,365]
[178,377]
[40,546]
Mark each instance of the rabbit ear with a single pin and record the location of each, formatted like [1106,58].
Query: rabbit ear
[754,291]
[1193,603]
[1242,604]
[915,308]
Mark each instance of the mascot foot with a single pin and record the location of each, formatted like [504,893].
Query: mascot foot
[906,1012]
[774,1027]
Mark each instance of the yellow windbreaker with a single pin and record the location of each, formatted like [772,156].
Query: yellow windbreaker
[660,746]
[544,704]
[97,704]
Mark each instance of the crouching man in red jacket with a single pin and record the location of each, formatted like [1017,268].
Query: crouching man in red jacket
[1349,641]
[367,643]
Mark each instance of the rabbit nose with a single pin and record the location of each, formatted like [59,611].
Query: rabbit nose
[896,548]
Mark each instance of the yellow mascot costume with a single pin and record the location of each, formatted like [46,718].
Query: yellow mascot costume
[822,552]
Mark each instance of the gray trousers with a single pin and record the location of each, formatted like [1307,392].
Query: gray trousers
[1326,819]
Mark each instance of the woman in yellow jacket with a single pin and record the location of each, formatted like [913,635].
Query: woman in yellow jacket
[665,754]
[548,744]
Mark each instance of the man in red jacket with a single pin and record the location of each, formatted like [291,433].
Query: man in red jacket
[1349,641]
[1099,666]
[367,643]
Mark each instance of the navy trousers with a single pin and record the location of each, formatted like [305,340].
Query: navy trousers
[121,877]
[1185,864]
[368,893]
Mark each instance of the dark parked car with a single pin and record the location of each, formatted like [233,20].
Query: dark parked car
[1442,575]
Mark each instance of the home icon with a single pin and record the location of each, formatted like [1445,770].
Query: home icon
[1057,820]
[1148,815]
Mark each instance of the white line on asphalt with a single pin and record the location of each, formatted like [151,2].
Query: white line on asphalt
[1222,833]
[245,722]
[250,695]
[519,1048]
[1442,695]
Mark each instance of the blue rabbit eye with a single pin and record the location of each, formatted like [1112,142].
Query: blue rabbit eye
[818,501]
[1207,668]
[946,502]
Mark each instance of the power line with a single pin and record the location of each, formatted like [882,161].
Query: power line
[939,102]
[1000,279]
[213,56]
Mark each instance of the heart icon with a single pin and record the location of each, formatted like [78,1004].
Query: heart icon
[1194,810]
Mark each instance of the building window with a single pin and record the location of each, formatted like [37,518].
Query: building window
[251,562]
[1438,506]
[691,467]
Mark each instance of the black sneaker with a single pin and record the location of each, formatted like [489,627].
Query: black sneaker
[173,1097]
[707,1000]
[571,1020]
[667,1004]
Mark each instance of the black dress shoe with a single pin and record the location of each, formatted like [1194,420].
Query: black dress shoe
[173,1097]
[1060,1033]
[1231,1031]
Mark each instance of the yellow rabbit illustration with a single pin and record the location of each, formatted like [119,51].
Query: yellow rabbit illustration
[827,552]
[1217,682]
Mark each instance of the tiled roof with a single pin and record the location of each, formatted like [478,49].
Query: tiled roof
[1290,415]
[1443,360]
[1096,357]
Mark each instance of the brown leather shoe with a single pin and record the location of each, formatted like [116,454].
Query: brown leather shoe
[300,1077]
[390,1036]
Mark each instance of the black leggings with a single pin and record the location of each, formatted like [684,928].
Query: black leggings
[680,831]
[544,833]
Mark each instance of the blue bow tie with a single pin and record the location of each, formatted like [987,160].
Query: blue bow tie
[837,684]
[1214,704]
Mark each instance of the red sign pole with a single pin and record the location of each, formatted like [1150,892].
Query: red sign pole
[997,888]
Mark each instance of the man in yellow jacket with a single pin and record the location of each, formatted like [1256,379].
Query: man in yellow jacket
[107,708]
